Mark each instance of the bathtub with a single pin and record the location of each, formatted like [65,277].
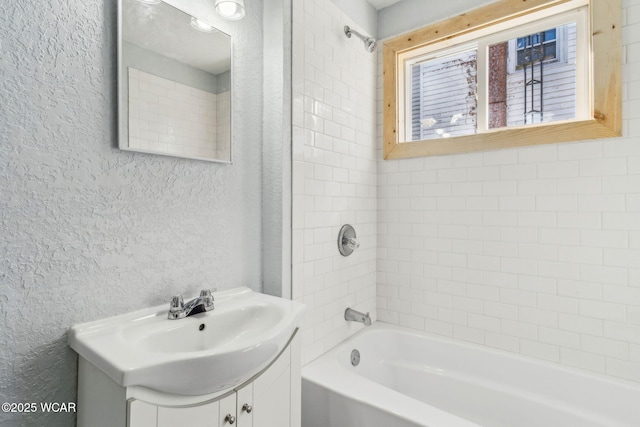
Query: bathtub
[407,379]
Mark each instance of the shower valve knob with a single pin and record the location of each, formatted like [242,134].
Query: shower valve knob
[347,240]
[351,242]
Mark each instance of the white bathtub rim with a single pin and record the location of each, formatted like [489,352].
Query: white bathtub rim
[538,398]
[369,393]
[617,381]
[583,373]
[325,371]
[322,371]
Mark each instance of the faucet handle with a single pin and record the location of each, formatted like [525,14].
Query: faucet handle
[176,307]
[207,299]
[351,242]
[177,303]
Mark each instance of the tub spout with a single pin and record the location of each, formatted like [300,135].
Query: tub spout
[352,315]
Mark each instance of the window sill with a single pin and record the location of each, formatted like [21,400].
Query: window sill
[535,134]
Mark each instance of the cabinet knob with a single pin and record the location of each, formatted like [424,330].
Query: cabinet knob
[247,408]
[230,419]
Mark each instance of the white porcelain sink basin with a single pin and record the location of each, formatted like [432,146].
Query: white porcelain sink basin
[201,354]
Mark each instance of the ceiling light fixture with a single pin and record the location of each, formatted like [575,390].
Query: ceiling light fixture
[201,25]
[231,10]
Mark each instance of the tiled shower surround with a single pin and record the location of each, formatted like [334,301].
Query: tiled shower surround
[334,173]
[531,250]
[535,251]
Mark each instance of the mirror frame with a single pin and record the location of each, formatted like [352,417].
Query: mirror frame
[123,98]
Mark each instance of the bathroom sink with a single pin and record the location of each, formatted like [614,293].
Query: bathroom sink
[200,354]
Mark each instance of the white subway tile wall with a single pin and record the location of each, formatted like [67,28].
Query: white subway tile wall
[334,173]
[531,250]
[171,117]
[223,125]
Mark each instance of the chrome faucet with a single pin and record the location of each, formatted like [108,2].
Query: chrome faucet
[178,309]
[355,316]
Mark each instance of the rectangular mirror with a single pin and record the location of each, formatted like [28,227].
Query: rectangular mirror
[174,83]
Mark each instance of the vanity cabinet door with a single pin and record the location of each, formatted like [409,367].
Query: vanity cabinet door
[272,394]
[244,407]
[227,416]
[142,414]
[194,416]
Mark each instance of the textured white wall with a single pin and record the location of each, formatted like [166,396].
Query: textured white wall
[86,230]
[334,167]
[531,250]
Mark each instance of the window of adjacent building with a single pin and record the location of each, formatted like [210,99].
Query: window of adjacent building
[533,70]
[536,46]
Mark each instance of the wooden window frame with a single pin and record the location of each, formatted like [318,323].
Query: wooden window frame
[606,81]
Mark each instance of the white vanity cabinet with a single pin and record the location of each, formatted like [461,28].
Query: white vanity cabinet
[220,413]
[270,399]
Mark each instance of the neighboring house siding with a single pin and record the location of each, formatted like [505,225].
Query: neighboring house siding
[416,103]
[447,90]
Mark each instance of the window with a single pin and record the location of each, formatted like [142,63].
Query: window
[532,47]
[462,85]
